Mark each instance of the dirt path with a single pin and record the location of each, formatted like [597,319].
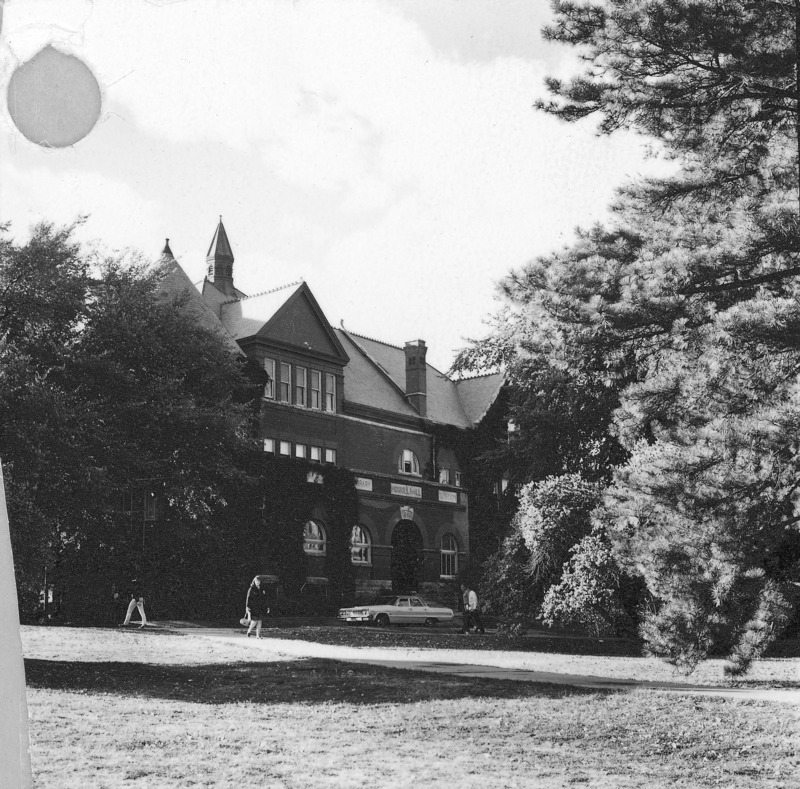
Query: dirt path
[623,674]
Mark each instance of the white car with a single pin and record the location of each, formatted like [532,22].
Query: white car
[398,610]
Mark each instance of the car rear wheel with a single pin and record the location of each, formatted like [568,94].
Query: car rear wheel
[382,620]
[431,622]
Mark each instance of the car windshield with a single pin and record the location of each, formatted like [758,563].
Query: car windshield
[385,601]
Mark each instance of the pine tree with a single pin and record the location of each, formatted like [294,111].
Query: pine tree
[686,311]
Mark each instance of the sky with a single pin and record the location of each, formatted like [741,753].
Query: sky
[385,151]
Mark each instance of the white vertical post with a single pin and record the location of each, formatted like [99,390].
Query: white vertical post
[15,762]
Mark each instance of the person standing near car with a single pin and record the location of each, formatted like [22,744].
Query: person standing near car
[256,606]
[472,614]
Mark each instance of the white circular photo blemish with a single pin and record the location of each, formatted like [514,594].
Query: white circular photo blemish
[54,99]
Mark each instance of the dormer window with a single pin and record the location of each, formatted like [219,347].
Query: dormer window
[409,463]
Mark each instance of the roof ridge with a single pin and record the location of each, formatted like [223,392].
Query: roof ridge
[477,375]
[264,292]
[372,339]
[397,348]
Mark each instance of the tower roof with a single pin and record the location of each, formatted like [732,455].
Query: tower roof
[167,252]
[220,246]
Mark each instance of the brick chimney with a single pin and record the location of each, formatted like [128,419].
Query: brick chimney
[417,376]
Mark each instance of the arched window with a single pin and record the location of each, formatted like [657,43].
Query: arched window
[449,555]
[360,546]
[314,538]
[409,463]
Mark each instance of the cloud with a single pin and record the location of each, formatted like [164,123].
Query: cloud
[339,138]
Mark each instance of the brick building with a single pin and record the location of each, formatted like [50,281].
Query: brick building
[334,396]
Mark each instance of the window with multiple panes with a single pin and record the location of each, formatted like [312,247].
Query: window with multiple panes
[284,386]
[269,445]
[330,392]
[285,448]
[314,539]
[360,546]
[409,464]
[444,476]
[315,394]
[269,386]
[300,384]
[300,450]
[330,456]
[316,454]
[449,554]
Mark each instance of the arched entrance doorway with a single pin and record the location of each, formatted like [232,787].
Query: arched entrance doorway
[406,556]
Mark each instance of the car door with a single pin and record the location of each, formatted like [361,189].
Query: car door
[403,615]
[419,611]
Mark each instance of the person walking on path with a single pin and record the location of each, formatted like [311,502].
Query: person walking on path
[256,606]
[472,614]
[136,601]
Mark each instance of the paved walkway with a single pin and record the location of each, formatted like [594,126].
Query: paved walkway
[464,663]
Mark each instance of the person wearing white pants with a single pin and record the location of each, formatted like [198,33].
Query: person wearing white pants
[137,601]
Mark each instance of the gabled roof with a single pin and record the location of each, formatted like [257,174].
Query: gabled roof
[175,284]
[246,316]
[477,394]
[378,379]
[289,316]
[367,384]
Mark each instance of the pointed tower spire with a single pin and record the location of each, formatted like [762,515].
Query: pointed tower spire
[167,252]
[220,261]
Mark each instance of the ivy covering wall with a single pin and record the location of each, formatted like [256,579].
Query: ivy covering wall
[202,572]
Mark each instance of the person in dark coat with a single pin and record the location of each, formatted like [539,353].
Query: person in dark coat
[256,606]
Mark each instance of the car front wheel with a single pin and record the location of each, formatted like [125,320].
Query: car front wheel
[430,622]
[382,620]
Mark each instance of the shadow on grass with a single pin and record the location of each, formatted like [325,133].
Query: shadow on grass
[419,638]
[312,681]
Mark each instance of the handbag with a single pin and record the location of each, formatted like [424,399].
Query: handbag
[244,621]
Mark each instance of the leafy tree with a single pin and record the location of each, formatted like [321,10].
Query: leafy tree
[506,588]
[553,516]
[106,387]
[593,592]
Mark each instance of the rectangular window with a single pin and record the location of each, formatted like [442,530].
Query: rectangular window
[458,479]
[316,390]
[330,456]
[300,386]
[269,386]
[285,382]
[316,454]
[448,569]
[149,506]
[444,476]
[300,450]
[286,448]
[330,392]
[269,445]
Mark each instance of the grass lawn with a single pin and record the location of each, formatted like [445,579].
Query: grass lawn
[113,708]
